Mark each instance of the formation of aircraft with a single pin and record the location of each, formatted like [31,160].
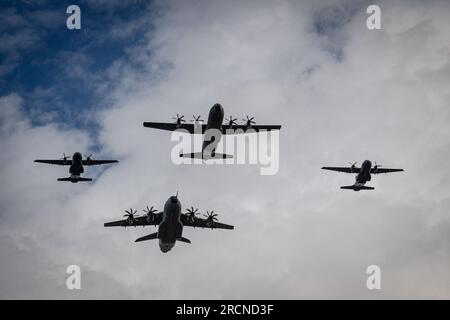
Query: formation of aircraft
[363,174]
[76,165]
[215,121]
[170,222]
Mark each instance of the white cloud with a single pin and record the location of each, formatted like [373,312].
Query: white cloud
[297,235]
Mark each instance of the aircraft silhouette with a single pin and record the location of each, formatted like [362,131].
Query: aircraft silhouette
[363,174]
[76,165]
[215,121]
[170,222]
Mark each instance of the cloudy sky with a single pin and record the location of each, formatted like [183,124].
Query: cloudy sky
[342,93]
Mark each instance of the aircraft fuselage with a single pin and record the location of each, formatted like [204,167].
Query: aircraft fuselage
[76,168]
[170,229]
[364,173]
[77,164]
[215,120]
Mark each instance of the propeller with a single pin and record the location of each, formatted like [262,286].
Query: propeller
[210,217]
[191,213]
[197,119]
[65,157]
[231,121]
[150,212]
[352,165]
[130,216]
[376,166]
[249,121]
[88,158]
[179,119]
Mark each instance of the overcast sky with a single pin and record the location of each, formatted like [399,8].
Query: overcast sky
[341,92]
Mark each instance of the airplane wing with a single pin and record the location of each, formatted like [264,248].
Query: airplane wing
[384,170]
[137,221]
[190,127]
[343,169]
[201,128]
[243,128]
[97,162]
[57,162]
[203,223]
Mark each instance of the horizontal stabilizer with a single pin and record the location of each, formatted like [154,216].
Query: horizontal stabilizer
[69,179]
[65,179]
[148,237]
[182,239]
[200,155]
[196,155]
[84,179]
[357,188]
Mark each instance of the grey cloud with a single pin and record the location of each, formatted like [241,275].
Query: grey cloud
[297,235]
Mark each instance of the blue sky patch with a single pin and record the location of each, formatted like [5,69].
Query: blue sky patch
[57,70]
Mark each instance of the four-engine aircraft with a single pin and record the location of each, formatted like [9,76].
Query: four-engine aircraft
[363,174]
[170,222]
[76,165]
[215,121]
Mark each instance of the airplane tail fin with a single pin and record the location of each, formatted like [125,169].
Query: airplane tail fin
[357,188]
[182,239]
[201,155]
[74,180]
[148,237]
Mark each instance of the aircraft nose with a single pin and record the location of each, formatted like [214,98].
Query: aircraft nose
[165,247]
[173,199]
[218,106]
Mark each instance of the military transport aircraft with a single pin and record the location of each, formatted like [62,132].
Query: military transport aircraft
[170,222]
[363,174]
[215,121]
[76,165]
